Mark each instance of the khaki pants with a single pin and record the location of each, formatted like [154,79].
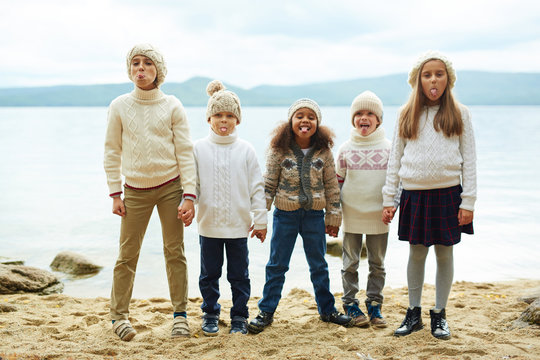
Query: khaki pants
[139,206]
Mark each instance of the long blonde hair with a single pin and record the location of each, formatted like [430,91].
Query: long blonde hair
[448,118]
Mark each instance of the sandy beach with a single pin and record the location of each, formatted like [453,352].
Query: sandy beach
[64,327]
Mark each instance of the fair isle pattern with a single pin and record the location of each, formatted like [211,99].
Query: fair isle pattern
[373,159]
[222,186]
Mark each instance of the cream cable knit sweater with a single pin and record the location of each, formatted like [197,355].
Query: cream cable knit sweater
[361,165]
[433,161]
[230,187]
[148,142]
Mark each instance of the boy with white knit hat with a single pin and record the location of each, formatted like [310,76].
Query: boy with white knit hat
[148,142]
[231,203]
[361,171]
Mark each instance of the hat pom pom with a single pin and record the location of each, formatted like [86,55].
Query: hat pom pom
[214,86]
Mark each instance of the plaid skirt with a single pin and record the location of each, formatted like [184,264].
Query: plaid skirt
[430,217]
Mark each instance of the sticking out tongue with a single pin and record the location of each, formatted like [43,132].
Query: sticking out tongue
[304,129]
[223,129]
[433,92]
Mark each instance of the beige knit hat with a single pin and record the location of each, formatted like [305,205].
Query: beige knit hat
[222,100]
[305,103]
[153,54]
[367,101]
[432,55]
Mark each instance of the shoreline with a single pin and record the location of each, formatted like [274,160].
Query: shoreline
[480,316]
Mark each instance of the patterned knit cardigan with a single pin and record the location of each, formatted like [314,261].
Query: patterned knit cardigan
[303,181]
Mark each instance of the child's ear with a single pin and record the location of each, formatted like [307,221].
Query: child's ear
[237,122]
[208,120]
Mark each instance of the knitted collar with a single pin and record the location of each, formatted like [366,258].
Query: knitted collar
[141,94]
[223,140]
[372,138]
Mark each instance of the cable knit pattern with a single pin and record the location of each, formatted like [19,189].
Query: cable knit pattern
[230,188]
[296,181]
[148,142]
[433,161]
[361,166]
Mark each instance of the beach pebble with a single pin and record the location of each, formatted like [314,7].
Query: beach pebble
[530,296]
[15,279]
[73,263]
[7,308]
[531,315]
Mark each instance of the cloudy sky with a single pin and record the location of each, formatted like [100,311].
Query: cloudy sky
[252,42]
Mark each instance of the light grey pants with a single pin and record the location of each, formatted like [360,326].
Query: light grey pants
[443,278]
[376,251]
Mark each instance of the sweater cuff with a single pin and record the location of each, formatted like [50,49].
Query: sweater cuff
[116,194]
[191,197]
[332,220]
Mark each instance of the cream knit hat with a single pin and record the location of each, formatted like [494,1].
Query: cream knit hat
[367,101]
[432,55]
[222,100]
[305,103]
[153,54]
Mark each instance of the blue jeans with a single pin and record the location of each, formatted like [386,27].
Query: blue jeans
[287,225]
[237,274]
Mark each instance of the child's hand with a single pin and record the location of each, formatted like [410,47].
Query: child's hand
[388,214]
[118,207]
[332,230]
[465,217]
[186,211]
[260,234]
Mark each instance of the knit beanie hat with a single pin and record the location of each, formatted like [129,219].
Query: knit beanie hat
[432,55]
[305,103]
[222,100]
[367,101]
[153,54]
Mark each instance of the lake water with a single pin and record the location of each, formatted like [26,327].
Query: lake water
[54,198]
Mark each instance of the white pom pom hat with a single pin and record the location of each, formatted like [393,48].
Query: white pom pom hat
[222,100]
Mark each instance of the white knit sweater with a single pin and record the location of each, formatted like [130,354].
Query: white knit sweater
[148,142]
[230,187]
[361,166]
[433,161]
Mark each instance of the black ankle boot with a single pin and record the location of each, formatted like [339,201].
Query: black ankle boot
[411,323]
[262,320]
[439,326]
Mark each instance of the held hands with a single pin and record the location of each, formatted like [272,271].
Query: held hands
[332,230]
[260,234]
[186,211]
[118,207]
[465,217]
[388,214]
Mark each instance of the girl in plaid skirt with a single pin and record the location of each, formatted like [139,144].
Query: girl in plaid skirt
[433,155]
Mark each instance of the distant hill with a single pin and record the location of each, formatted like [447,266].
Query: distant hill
[472,88]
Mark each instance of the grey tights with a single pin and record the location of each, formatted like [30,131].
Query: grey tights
[443,279]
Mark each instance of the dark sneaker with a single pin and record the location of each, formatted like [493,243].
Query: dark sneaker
[375,317]
[411,323]
[359,318]
[439,326]
[338,318]
[210,324]
[262,320]
[238,325]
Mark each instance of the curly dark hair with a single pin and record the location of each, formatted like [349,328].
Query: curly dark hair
[283,137]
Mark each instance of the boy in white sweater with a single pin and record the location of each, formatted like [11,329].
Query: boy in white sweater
[361,171]
[231,203]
